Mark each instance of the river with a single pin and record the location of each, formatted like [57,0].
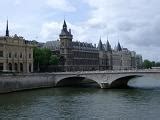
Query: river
[84,103]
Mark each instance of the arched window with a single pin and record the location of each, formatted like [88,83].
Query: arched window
[10,55]
[15,55]
[16,67]
[1,66]
[20,55]
[10,66]
[29,55]
[21,67]
[30,67]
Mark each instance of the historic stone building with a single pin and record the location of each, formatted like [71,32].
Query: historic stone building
[80,56]
[16,54]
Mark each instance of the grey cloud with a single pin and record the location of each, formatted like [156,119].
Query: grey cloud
[136,21]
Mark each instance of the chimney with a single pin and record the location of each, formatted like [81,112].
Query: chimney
[70,31]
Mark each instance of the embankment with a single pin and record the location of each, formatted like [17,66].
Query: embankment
[17,82]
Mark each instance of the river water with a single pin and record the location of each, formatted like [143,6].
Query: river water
[141,103]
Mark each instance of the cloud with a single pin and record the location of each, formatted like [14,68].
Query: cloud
[135,23]
[62,5]
[51,31]
[17,2]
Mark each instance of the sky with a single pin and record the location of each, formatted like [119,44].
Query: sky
[134,23]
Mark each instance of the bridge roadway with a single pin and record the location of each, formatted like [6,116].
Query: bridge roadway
[104,79]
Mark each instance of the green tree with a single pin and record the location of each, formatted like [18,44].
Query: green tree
[53,60]
[147,64]
[41,57]
[153,63]
[45,56]
[157,64]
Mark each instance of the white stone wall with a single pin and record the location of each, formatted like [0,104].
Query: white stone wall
[16,51]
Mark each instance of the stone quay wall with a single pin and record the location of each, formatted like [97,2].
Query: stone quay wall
[18,82]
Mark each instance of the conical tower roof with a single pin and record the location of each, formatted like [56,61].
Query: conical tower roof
[119,48]
[108,46]
[64,25]
[100,45]
[64,31]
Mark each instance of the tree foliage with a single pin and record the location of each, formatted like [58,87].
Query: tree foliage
[149,64]
[53,60]
[43,57]
[158,64]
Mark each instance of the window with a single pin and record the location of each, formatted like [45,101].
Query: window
[29,55]
[1,66]
[15,55]
[30,67]
[20,55]
[10,55]
[16,67]
[21,67]
[10,66]
[1,53]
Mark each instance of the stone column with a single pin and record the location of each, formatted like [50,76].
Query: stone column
[5,66]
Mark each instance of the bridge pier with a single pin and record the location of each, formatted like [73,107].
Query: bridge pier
[104,85]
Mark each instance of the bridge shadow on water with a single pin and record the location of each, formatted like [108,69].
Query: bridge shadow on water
[82,82]
[122,83]
[77,82]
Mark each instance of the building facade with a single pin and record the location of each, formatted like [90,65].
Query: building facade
[80,56]
[16,54]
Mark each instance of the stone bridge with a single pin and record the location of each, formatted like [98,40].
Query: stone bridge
[105,79]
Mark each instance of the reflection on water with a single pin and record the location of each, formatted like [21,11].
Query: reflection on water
[82,104]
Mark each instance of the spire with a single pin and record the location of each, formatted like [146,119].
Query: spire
[7,30]
[64,25]
[100,45]
[119,48]
[64,31]
[108,46]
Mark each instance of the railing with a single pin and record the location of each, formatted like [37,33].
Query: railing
[113,71]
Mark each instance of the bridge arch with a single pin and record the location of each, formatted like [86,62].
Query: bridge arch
[122,82]
[75,80]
